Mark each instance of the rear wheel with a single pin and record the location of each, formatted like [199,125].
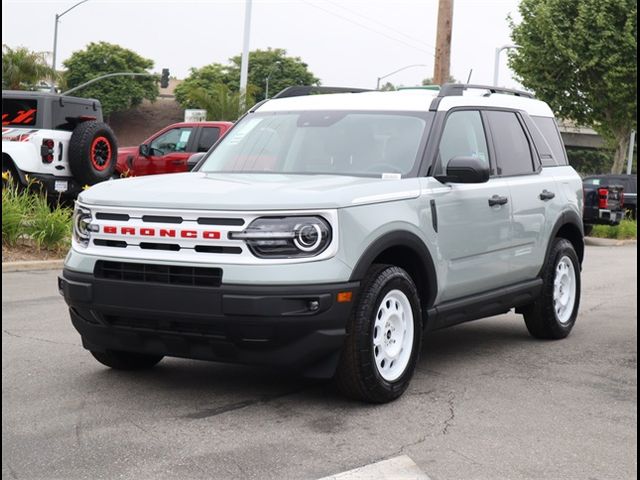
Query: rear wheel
[93,152]
[553,315]
[384,337]
[120,360]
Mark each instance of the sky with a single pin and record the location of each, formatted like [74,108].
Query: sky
[344,42]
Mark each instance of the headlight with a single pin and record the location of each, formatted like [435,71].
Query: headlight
[286,237]
[82,227]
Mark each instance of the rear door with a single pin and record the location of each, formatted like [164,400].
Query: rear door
[533,192]
[474,231]
[207,136]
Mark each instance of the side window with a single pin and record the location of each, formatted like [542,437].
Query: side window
[549,130]
[463,136]
[512,146]
[208,136]
[175,140]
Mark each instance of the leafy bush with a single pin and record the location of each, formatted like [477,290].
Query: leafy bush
[15,207]
[626,230]
[27,216]
[49,227]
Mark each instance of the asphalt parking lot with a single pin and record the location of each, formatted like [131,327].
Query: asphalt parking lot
[487,401]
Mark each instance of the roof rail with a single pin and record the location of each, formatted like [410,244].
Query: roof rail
[303,90]
[457,89]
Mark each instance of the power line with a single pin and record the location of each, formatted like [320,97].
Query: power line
[373,20]
[366,27]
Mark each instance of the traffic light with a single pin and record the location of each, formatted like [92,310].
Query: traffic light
[164,80]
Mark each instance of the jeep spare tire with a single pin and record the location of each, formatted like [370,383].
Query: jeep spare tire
[93,152]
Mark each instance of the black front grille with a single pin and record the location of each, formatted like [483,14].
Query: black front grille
[167,274]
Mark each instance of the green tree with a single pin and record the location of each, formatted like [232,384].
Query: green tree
[116,93]
[388,87]
[207,78]
[23,69]
[219,101]
[580,57]
[274,64]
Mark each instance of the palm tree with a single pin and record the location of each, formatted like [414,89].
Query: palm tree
[23,69]
[220,102]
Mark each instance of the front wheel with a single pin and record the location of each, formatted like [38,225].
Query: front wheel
[120,360]
[554,313]
[383,339]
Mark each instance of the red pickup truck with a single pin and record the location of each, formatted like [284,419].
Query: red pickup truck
[168,150]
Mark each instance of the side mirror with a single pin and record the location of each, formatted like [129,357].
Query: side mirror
[194,159]
[465,170]
[144,150]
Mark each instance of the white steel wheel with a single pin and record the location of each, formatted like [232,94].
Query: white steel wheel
[393,335]
[564,290]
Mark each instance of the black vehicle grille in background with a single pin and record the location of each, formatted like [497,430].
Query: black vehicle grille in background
[168,274]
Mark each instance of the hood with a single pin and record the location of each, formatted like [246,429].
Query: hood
[247,191]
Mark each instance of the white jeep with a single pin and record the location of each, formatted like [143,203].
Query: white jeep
[60,142]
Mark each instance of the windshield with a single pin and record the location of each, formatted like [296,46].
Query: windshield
[343,143]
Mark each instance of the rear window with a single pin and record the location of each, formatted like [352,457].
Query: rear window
[551,134]
[19,112]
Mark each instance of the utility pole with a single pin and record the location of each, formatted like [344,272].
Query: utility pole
[244,63]
[443,42]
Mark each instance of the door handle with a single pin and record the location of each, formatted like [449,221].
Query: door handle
[546,195]
[498,200]
[177,162]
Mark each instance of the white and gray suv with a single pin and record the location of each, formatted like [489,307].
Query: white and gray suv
[327,233]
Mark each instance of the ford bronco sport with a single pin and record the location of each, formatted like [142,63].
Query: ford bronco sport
[327,233]
[56,140]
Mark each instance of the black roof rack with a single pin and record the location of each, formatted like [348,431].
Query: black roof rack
[457,89]
[302,90]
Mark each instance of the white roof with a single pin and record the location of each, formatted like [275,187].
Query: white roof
[418,100]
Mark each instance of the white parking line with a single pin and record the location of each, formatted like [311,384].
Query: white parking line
[398,468]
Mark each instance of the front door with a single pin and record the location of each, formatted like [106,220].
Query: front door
[168,153]
[473,220]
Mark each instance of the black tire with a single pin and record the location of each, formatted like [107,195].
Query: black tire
[357,375]
[587,230]
[119,360]
[93,152]
[540,317]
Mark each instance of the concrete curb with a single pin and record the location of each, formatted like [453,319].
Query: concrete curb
[30,265]
[607,242]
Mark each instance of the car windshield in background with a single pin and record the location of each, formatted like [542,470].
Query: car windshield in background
[19,112]
[341,143]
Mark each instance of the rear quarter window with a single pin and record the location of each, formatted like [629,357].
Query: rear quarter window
[550,133]
[19,112]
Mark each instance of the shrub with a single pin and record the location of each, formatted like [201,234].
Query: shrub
[626,230]
[49,227]
[27,215]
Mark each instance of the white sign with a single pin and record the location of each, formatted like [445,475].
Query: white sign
[192,115]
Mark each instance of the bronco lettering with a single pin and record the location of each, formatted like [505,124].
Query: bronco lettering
[163,232]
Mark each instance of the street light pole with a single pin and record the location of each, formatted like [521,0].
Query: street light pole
[244,63]
[55,44]
[396,71]
[496,64]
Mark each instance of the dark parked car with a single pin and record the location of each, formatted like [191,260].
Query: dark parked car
[628,182]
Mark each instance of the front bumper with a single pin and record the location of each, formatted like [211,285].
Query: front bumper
[298,327]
